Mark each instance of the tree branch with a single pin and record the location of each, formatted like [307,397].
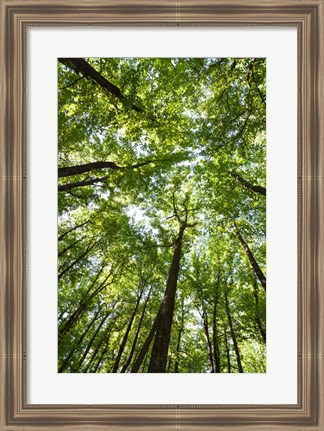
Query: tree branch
[257,87]
[72,83]
[68,171]
[69,186]
[257,189]
[88,167]
[71,229]
[80,66]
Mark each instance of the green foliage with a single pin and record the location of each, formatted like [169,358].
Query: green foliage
[198,127]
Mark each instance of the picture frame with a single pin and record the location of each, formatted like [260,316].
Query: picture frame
[15,412]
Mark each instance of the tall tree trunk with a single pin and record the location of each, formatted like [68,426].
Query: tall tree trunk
[257,313]
[84,304]
[254,264]
[169,362]
[215,338]
[69,247]
[228,356]
[162,325]
[77,368]
[230,322]
[61,326]
[209,344]
[144,364]
[139,360]
[105,336]
[87,250]
[131,354]
[161,343]
[249,186]
[102,354]
[176,365]
[66,361]
[68,324]
[125,337]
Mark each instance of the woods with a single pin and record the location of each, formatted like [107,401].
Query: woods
[162,215]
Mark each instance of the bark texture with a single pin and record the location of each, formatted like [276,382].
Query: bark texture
[159,355]
[127,332]
[233,336]
[256,189]
[251,258]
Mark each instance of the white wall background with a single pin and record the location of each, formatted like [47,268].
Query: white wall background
[279,384]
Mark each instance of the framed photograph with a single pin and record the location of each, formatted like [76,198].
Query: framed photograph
[161,177]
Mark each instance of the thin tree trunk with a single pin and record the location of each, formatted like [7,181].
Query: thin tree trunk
[209,345]
[71,230]
[77,344]
[77,368]
[144,365]
[87,250]
[68,325]
[105,335]
[168,368]
[95,335]
[230,322]
[228,356]
[215,338]
[130,357]
[147,343]
[84,303]
[81,300]
[69,247]
[257,313]
[176,365]
[125,337]
[158,360]
[257,270]
[99,362]
[256,189]
[262,97]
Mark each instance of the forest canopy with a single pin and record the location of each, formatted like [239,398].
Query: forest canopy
[162,215]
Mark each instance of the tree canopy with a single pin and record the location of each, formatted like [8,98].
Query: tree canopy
[162,215]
